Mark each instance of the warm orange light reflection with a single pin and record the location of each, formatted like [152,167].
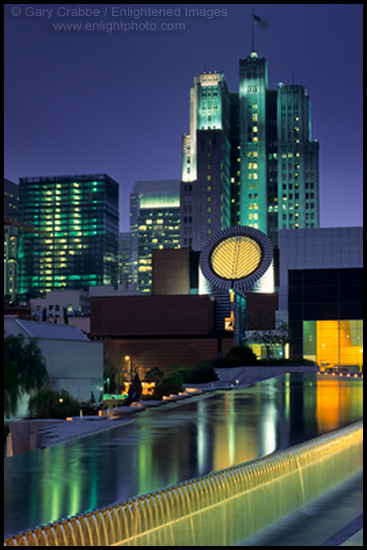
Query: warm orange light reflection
[337,401]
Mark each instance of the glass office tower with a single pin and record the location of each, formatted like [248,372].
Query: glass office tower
[74,238]
[12,224]
[154,224]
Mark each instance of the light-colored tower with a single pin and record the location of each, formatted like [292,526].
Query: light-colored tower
[205,186]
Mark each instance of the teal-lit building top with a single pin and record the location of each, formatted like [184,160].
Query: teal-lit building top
[252,123]
[74,238]
[249,158]
[154,224]
[279,176]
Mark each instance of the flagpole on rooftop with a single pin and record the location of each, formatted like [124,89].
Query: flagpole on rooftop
[252,32]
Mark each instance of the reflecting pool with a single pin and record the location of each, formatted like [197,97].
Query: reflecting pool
[161,447]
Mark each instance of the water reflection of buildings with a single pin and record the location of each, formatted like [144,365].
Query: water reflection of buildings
[338,405]
[162,447]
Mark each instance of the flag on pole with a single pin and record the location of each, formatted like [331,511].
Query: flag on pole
[259,22]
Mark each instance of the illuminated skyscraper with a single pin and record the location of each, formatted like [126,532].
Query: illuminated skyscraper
[11,239]
[253,154]
[279,160]
[205,188]
[74,243]
[298,161]
[249,158]
[154,224]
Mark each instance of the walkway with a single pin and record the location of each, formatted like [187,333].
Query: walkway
[333,519]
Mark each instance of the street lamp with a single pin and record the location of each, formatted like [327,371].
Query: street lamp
[129,360]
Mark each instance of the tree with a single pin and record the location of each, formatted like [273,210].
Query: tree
[48,403]
[24,370]
[271,337]
[154,375]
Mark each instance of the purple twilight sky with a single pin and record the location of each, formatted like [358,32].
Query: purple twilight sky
[113,100]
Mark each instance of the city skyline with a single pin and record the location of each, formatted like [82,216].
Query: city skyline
[116,102]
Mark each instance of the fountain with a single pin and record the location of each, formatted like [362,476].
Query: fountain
[217,509]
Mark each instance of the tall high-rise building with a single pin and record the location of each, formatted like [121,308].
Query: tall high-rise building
[124,258]
[205,188]
[11,239]
[298,156]
[74,242]
[253,154]
[249,158]
[154,224]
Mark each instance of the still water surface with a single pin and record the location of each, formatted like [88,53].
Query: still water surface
[164,446]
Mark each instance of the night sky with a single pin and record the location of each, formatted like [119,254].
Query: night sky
[94,101]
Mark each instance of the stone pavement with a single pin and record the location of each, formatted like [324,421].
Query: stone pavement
[355,540]
[333,519]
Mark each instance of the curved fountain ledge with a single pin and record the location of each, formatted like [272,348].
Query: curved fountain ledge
[218,509]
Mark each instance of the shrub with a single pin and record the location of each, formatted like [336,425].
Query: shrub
[239,356]
[170,383]
[153,375]
[200,373]
[49,403]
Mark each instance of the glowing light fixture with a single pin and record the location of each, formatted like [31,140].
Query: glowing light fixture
[236,257]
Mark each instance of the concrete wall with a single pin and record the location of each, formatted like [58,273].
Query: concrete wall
[24,435]
[75,366]
[73,359]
